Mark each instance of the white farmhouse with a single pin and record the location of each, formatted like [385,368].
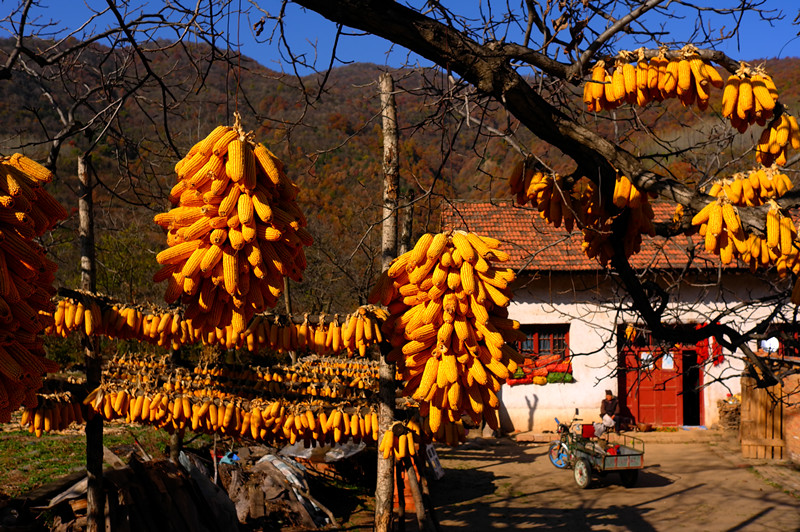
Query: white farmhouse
[574,314]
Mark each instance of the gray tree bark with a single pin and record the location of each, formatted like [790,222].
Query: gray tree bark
[408,224]
[384,489]
[287,300]
[95,497]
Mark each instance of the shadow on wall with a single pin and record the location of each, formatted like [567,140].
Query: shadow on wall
[506,425]
[531,409]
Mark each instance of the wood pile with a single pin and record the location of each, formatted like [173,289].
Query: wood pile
[270,492]
[729,414]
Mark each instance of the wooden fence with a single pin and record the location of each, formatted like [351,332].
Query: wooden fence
[761,427]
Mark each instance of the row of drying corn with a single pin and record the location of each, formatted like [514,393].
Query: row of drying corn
[357,333]
[262,420]
[27,210]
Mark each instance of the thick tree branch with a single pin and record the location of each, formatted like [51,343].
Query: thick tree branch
[612,30]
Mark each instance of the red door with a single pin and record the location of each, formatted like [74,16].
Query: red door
[652,387]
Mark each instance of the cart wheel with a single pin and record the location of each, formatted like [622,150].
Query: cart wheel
[583,473]
[558,455]
[629,477]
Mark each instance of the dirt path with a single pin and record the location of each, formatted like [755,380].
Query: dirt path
[502,484]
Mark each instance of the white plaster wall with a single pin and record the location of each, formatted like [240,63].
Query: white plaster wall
[587,303]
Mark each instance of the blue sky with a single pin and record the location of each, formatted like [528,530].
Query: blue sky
[757,39]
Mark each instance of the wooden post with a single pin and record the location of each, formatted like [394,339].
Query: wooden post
[419,460]
[401,498]
[384,488]
[423,521]
[95,497]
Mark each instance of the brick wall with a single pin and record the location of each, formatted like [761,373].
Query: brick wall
[791,418]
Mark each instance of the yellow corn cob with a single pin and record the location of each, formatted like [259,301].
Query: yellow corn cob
[464,247]
[245,209]
[267,163]
[618,84]
[428,378]
[787,235]
[212,256]
[795,132]
[198,229]
[249,177]
[731,218]
[670,78]
[715,219]
[629,77]
[467,278]
[31,168]
[713,76]
[235,164]
[449,367]
[230,268]
[744,104]
[761,93]
[420,250]
[598,79]
[177,253]
[773,228]
[684,76]
[730,96]
[229,202]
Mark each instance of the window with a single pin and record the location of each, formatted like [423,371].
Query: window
[547,346]
[787,341]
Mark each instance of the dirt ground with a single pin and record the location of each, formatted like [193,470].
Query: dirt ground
[686,483]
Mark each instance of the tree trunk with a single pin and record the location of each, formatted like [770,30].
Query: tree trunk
[175,444]
[95,497]
[408,224]
[384,489]
[287,300]
[176,438]
[391,171]
[86,225]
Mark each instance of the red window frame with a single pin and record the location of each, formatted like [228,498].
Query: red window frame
[544,340]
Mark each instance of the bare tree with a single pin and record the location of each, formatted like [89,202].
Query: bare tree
[531,61]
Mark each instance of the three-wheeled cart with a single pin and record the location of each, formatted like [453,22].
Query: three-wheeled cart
[619,452]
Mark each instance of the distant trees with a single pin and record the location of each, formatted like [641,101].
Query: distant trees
[128,88]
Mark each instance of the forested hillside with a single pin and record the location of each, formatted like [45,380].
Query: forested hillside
[326,129]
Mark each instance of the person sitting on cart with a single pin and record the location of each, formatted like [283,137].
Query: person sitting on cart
[610,407]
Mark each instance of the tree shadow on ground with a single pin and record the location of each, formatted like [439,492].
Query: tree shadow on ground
[511,512]
[477,516]
[647,479]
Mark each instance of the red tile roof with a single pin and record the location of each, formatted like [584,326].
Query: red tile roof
[533,244]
